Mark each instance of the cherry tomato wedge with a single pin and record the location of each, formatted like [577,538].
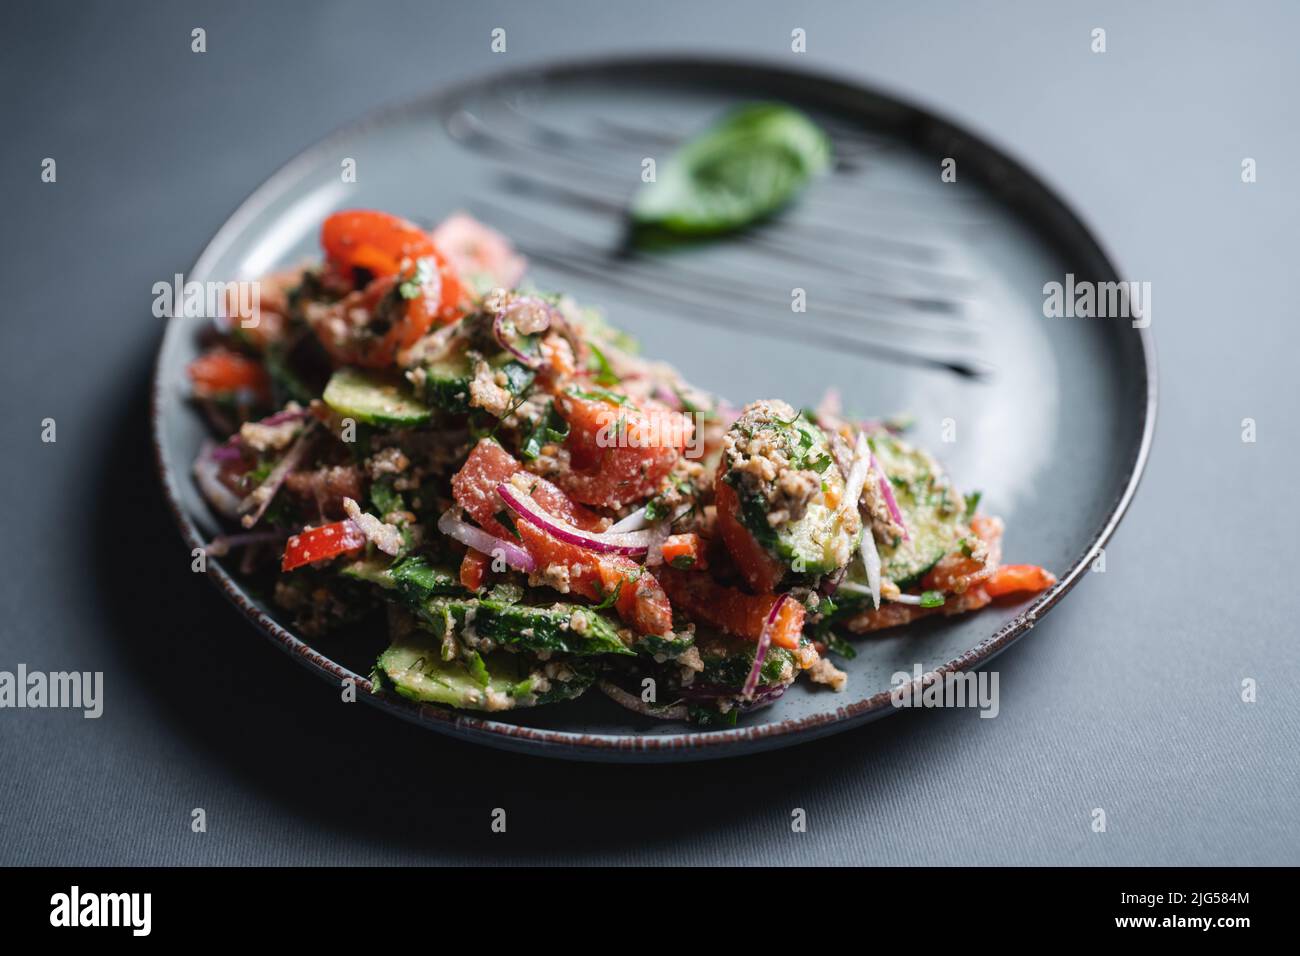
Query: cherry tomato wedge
[731,610]
[375,241]
[318,544]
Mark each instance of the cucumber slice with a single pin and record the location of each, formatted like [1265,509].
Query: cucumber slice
[932,509]
[373,400]
[664,648]
[820,540]
[497,682]
[417,581]
[446,383]
[504,619]
[728,660]
[446,380]
[372,571]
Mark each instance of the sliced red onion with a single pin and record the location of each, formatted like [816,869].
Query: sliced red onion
[871,563]
[764,642]
[284,415]
[226,452]
[633,522]
[221,546]
[260,498]
[635,704]
[890,501]
[667,397]
[631,543]
[857,476]
[222,499]
[659,533]
[711,692]
[478,539]
[830,583]
[528,317]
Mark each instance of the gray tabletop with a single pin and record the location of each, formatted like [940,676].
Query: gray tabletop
[1128,697]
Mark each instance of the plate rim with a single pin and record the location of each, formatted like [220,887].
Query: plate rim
[642,747]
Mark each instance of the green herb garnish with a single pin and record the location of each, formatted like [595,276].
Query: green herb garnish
[600,367]
[744,168]
[550,427]
[507,521]
[599,395]
[931,599]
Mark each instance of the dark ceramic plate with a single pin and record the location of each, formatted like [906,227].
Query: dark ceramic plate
[923,297]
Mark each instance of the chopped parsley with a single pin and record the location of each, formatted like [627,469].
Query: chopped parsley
[507,521]
[599,395]
[599,366]
[550,427]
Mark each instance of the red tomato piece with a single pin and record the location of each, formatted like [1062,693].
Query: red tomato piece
[319,544]
[760,570]
[620,452]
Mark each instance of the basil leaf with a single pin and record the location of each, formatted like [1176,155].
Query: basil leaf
[747,166]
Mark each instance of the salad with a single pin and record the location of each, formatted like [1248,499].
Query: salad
[412,438]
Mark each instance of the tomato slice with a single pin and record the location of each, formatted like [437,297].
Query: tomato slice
[473,568]
[319,544]
[375,241]
[641,602]
[1018,578]
[732,610]
[221,372]
[620,452]
[386,246]
[761,571]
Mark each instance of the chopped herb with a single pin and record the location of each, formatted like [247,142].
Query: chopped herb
[965,546]
[477,669]
[600,367]
[608,600]
[683,562]
[688,406]
[507,521]
[745,167]
[599,395]
[931,599]
[550,427]
[837,645]
[821,464]
[972,502]
[385,498]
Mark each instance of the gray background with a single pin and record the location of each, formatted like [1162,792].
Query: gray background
[1126,697]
